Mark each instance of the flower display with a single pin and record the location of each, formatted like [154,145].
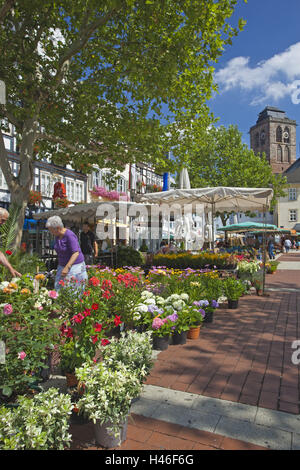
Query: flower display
[7,309]
[99,191]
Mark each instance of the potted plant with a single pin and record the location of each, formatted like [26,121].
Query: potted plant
[209,308]
[233,290]
[38,423]
[196,316]
[132,349]
[107,399]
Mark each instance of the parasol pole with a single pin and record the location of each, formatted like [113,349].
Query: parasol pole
[264,252]
[213,226]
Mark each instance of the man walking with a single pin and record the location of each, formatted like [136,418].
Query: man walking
[88,244]
[3,260]
[287,245]
[271,248]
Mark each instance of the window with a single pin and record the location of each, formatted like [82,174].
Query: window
[70,190]
[278,134]
[46,184]
[286,154]
[79,197]
[279,153]
[97,178]
[3,184]
[121,185]
[292,194]
[292,215]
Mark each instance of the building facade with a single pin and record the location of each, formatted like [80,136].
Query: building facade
[275,135]
[287,213]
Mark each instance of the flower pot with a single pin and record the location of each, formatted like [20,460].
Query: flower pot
[105,439]
[160,342]
[179,338]
[194,332]
[78,418]
[72,380]
[232,304]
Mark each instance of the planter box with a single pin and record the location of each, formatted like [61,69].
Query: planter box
[105,439]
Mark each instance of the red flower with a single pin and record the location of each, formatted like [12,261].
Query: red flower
[94,281]
[95,306]
[61,283]
[117,320]
[8,252]
[87,293]
[107,294]
[98,327]
[87,312]
[104,342]
[78,318]
[106,284]
[94,339]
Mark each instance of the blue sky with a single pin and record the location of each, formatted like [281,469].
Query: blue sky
[262,67]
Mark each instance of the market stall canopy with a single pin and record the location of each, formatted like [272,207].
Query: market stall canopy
[247,226]
[221,198]
[83,212]
[274,231]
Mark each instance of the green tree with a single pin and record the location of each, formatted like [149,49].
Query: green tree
[90,82]
[220,158]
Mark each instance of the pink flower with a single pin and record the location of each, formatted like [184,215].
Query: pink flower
[53,294]
[157,323]
[22,355]
[40,307]
[7,309]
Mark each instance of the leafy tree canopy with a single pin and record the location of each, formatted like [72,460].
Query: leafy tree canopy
[91,81]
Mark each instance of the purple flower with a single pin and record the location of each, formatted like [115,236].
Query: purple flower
[202,312]
[173,317]
[214,304]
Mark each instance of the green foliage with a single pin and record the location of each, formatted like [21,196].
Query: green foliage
[187,260]
[233,288]
[222,159]
[108,392]
[40,423]
[128,256]
[24,263]
[8,230]
[132,349]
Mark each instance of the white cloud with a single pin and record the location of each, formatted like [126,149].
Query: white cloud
[270,80]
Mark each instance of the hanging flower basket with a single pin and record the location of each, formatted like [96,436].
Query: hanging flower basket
[100,193]
[61,202]
[35,198]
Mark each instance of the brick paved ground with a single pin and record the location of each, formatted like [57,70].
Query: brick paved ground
[151,434]
[244,355]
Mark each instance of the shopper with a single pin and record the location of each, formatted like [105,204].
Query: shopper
[88,244]
[70,258]
[287,245]
[271,248]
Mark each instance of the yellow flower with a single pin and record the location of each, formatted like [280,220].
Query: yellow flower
[12,285]
[40,277]
[25,291]
[6,290]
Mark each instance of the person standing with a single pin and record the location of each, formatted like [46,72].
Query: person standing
[271,248]
[89,246]
[287,245]
[3,260]
[70,258]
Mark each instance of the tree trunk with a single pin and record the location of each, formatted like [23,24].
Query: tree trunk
[20,186]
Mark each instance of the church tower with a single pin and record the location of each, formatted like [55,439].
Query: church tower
[275,134]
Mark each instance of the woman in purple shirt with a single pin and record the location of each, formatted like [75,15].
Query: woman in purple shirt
[70,258]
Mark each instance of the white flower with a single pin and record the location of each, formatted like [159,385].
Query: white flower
[160,300]
[136,316]
[184,296]
[4,284]
[142,308]
[174,297]
[149,302]
[15,279]
[146,294]
[178,305]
